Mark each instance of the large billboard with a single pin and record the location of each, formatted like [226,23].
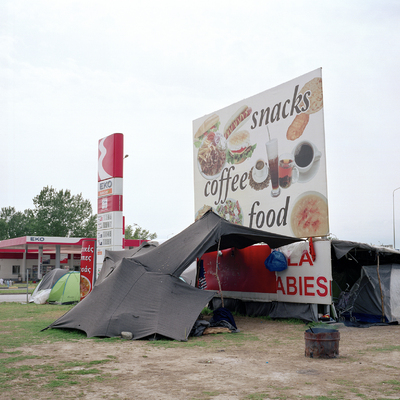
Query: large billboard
[261,162]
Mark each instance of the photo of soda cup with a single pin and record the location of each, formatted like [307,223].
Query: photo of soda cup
[272,152]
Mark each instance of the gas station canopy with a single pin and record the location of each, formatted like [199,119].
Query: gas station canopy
[49,244]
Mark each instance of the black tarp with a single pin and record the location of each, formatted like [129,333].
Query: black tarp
[113,258]
[144,294]
[349,257]
[368,278]
[365,254]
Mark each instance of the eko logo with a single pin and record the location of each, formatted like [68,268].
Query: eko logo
[37,239]
[105,185]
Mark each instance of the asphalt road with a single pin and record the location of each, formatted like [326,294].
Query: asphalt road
[20,298]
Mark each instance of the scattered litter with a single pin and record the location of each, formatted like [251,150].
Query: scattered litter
[213,330]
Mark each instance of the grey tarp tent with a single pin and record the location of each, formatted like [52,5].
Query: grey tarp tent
[112,259]
[378,294]
[371,274]
[144,294]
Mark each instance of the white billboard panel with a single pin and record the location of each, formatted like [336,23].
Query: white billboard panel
[261,162]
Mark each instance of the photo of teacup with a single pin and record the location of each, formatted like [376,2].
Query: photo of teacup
[288,172]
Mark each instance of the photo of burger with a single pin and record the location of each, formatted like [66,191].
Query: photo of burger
[239,147]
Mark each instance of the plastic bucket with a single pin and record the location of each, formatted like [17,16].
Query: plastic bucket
[322,343]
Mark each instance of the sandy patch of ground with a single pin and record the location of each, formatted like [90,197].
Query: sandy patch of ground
[265,361]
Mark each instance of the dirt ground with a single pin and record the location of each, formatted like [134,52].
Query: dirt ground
[265,361]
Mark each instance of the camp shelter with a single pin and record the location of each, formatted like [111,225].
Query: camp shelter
[144,294]
[66,290]
[42,291]
[113,258]
[366,281]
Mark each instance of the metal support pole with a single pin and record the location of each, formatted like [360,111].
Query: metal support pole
[27,286]
[27,273]
[394,223]
[40,263]
[58,256]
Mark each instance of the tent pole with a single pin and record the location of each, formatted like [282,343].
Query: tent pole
[216,274]
[197,271]
[380,288]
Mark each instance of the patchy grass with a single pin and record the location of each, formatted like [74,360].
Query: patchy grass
[392,382]
[384,348]
[22,324]
[50,376]
[257,396]
[219,340]
[206,311]
[26,373]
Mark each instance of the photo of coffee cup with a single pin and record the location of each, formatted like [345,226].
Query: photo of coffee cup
[288,172]
[305,154]
[260,171]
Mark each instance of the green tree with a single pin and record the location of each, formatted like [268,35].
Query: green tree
[136,232]
[58,213]
[15,223]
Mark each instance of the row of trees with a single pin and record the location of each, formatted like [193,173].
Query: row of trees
[58,213]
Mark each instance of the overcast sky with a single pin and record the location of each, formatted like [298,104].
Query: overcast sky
[73,72]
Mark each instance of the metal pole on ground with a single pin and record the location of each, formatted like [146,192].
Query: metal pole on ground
[394,223]
[27,285]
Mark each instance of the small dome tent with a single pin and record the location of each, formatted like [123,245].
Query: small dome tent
[42,291]
[66,290]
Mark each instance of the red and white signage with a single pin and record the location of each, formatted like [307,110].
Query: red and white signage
[109,203]
[87,267]
[111,156]
[307,281]
[110,196]
[109,187]
[243,275]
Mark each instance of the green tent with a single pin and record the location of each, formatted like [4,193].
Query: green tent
[66,290]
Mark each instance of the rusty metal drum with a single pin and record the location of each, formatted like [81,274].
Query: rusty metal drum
[322,343]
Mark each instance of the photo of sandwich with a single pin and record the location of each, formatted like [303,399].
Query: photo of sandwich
[239,147]
[210,125]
